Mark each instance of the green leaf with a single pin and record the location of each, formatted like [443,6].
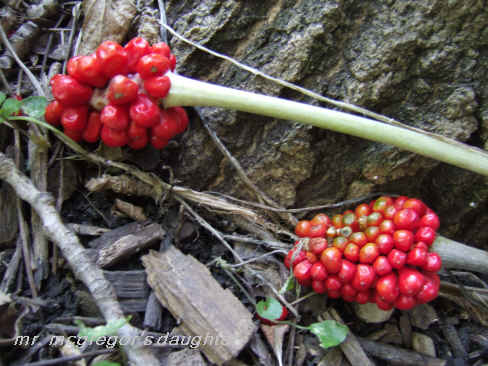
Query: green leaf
[329,332]
[34,106]
[288,285]
[2,97]
[105,363]
[270,309]
[109,329]
[10,106]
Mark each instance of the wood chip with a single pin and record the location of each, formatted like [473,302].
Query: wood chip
[118,244]
[423,344]
[8,213]
[186,357]
[187,289]
[423,316]
[136,213]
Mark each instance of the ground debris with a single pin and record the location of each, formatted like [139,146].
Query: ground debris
[187,289]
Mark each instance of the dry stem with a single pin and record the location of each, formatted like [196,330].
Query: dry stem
[82,266]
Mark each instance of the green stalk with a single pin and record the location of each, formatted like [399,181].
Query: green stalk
[189,92]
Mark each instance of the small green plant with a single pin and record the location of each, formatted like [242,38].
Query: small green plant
[110,329]
[329,332]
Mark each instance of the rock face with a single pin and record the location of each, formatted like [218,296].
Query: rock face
[422,62]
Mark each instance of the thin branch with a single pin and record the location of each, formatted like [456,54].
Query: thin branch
[65,360]
[82,265]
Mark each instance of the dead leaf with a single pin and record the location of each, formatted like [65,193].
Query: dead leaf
[275,335]
[105,20]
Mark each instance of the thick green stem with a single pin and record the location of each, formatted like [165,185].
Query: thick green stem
[189,92]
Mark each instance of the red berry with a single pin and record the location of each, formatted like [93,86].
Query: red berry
[303,270]
[382,203]
[182,117]
[321,219]
[136,48]
[383,305]
[406,219]
[337,221]
[318,272]
[433,262]
[75,135]
[172,62]
[417,257]
[387,288]
[69,92]
[144,112]
[317,245]
[364,277]
[363,222]
[385,243]
[158,142]
[302,228]
[53,113]
[331,232]
[421,245]
[87,69]
[416,205]
[332,259]
[312,258]
[372,233]
[340,243]
[92,130]
[122,90]
[113,59]
[410,281]
[348,269]
[333,283]
[430,219]
[429,290]
[399,201]
[390,212]
[167,127]
[358,238]
[152,65]
[157,86]
[382,266]
[369,253]
[351,220]
[362,297]
[74,118]
[362,210]
[425,234]
[161,48]
[403,240]
[115,117]
[351,252]
[319,287]
[298,258]
[334,294]
[397,258]
[348,293]
[317,231]
[375,219]
[138,143]
[404,302]
[387,227]
[114,138]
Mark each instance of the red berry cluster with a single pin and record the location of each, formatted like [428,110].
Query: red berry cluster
[113,95]
[377,253]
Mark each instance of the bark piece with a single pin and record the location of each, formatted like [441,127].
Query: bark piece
[153,315]
[105,20]
[8,213]
[128,284]
[398,355]
[187,289]
[125,241]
